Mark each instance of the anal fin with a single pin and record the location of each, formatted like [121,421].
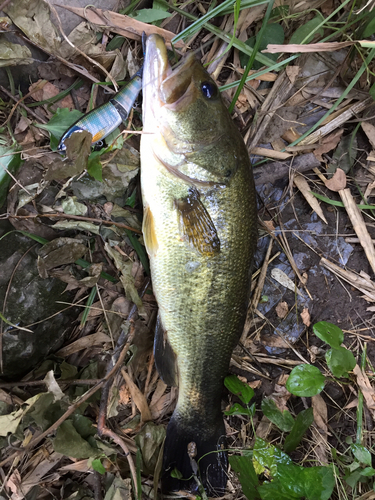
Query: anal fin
[165,358]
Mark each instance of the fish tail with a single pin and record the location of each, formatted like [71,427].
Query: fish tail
[208,461]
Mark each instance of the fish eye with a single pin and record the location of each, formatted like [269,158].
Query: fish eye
[209,90]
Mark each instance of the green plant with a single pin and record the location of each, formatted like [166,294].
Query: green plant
[267,472]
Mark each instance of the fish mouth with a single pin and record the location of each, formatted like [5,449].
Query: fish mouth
[169,86]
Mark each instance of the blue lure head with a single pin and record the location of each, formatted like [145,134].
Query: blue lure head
[75,128]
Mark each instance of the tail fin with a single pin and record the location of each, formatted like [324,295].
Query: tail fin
[210,457]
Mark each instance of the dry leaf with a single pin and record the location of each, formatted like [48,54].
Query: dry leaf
[330,142]
[359,225]
[292,72]
[137,396]
[282,309]
[305,189]
[284,280]
[269,225]
[369,130]
[366,388]
[305,316]
[338,181]
[292,48]
[320,413]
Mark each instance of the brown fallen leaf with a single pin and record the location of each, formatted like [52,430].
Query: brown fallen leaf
[338,181]
[282,309]
[137,396]
[305,316]
[305,189]
[320,419]
[366,388]
[369,130]
[359,225]
[311,47]
[328,143]
[292,72]
[123,25]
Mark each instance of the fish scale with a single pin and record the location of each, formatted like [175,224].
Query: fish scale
[200,231]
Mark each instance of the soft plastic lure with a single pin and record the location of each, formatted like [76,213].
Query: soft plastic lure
[101,121]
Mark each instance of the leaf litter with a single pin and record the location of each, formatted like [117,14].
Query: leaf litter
[312,104]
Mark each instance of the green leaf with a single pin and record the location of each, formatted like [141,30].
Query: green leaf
[340,361]
[361,454]
[97,465]
[268,457]
[273,34]
[368,472]
[94,167]
[9,162]
[304,34]
[59,123]
[244,468]
[240,389]
[312,483]
[275,490]
[344,155]
[282,419]
[70,443]
[372,91]
[305,380]
[329,333]
[318,482]
[370,25]
[115,43]
[151,15]
[238,409]
[301,424]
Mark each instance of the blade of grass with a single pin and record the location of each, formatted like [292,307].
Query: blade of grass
[250,62]
[340,203]
[222,35]
[89,303]
[360,401]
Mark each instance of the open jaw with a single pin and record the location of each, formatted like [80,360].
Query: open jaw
[169,87]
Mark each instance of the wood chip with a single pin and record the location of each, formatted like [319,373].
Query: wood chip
[359,225]
[366,388]
[305,189]
[270,153]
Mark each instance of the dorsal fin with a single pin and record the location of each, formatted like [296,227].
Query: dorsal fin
[165,358]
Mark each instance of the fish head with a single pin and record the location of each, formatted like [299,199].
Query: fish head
[183,102]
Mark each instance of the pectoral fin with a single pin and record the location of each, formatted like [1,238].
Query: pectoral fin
[165,358]
[196,224]
[149,235]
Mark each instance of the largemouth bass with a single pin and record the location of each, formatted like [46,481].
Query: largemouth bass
[200,232]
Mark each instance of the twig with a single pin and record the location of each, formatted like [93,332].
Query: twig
[75,217]
[35,383]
